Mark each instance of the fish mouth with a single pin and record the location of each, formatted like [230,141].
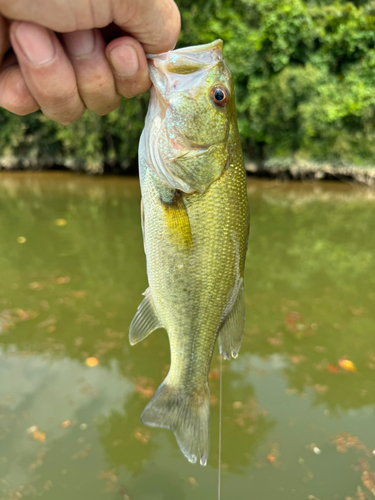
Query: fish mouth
[174,70]
[216,45]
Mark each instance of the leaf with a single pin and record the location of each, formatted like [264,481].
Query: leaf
[91,362]
[347,365]
[38,436]
[61,222]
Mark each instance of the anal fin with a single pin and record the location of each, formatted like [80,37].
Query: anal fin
[231,333]
[145,320]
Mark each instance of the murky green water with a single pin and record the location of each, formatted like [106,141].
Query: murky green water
[295,424]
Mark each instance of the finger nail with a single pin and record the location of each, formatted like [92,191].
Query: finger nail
[124,60]
[35,42]
[80,43]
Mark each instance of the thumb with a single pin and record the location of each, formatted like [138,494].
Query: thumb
[155,24]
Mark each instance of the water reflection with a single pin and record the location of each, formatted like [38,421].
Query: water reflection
[69,292]
[316,274]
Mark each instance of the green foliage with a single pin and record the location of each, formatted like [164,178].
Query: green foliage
[90,143]
[304,74]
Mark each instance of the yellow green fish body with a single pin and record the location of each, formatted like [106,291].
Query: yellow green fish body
[195,228]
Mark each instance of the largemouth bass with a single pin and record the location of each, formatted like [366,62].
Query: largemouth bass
[195,222]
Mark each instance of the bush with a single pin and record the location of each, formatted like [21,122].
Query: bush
[304,75]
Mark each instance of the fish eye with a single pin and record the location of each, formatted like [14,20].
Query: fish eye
[219,95]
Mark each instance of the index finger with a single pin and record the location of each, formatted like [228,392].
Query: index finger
[155,24]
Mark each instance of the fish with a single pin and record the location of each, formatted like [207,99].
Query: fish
[195,223]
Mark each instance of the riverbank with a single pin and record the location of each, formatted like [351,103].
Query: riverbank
[309,171]
[283,169]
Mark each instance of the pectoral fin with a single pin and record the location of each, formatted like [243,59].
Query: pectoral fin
[177,221]
[145,320]
[231,333]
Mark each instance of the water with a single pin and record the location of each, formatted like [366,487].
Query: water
[295,424]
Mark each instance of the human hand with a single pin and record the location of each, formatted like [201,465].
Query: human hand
[63,74]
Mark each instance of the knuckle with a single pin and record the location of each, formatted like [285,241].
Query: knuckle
[16,96]
[56,97]
[131,88]
[106,108]
[174,25]
[65,107]
[99,95]
[20,109]
[167,38]
[64,119]
[69,120]
[96,85]
[129,94]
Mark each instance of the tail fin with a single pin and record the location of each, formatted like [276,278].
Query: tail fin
[188,415]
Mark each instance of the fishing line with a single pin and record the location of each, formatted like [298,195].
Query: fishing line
[220,412]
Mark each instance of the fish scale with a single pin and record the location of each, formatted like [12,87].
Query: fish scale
[195,238]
